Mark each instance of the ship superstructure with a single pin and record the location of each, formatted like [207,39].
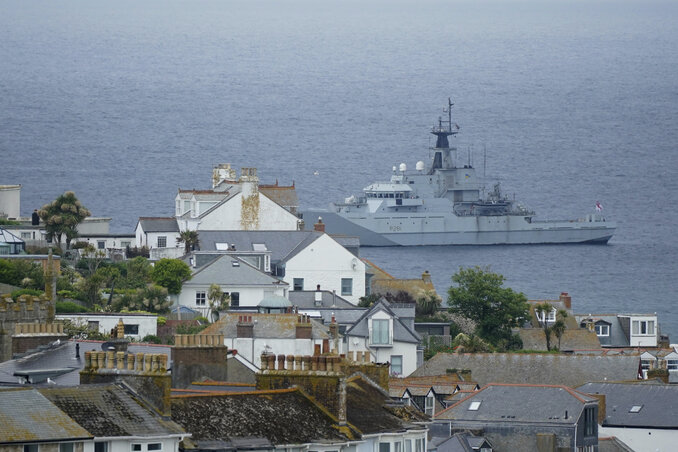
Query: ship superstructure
[442,204]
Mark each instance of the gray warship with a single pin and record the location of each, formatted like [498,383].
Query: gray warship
[441,204]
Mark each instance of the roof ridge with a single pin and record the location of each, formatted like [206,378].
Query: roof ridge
[234,393]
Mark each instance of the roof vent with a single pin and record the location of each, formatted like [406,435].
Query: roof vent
[235,263]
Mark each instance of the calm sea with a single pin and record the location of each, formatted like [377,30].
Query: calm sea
[572,101]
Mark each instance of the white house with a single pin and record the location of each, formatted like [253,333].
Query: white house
[303,259]
[157,232]
[137,326]
[234,204]
[245,284]
[252,334]
[388,337]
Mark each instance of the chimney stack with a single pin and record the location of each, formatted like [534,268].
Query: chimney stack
[245,327]
[566,300]
[198,357]
[319,226]
[426,277]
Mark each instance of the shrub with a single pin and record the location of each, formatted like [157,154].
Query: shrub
[17,293]
[68,307]
[151,338]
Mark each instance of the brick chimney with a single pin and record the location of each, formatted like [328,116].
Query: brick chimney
[318,300]
[198,357]
[319,226]
[566,300]
[426,277]
[304,329]
[245,327]
[146,374]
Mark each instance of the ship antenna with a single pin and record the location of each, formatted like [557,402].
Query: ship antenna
[443,130]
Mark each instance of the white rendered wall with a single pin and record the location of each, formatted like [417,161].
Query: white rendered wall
[10,200]
[249,296]
[326,262]
[252,348]
[227,217]
[148,323]
[643,439]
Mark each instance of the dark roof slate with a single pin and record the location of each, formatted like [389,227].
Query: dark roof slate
[282,244]
[26,415]
[283,417]
[534,368]
[108,410]
[520,403]
[659,404]
[401,331]
[371,410]
[159,224]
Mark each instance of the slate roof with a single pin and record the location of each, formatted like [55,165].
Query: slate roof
[459,442]
[535,368]
[159,224]
[536,404]
[284,417]
[401,331]
[305,299]
[371,410]
[617,336]
[659,404]
[274,326]
[26,415]
[575,338]
[223,271]
[282,244]
[63,357]
[109,410]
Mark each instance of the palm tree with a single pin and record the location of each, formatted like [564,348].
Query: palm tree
[190,240]
[218,301]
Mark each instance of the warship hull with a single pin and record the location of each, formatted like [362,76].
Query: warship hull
[445,203]
[454,230]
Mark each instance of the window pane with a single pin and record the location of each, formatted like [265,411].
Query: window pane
[346,286]
[384,447]
[636,327]
[155,446]
[66,447]
[397,365]
[136,447]
[100,447]
[131,329]
[650,327]
[380,331]
[298,284]
[31,448]
[162,241]
[235,298]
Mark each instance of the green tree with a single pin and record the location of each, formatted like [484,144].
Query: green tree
[18,272]
[494,309]
[189,239]
[218,300]
[138,273]
[171,274]
[62,217]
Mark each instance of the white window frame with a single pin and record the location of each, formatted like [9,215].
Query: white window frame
[200,298]
[602,330]
[295,282]
[672,365]
[162,238]
[429,405]
[647,325]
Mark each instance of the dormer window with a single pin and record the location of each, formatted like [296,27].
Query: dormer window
[602,330]
[381,334]
[643,327]
[550,316]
